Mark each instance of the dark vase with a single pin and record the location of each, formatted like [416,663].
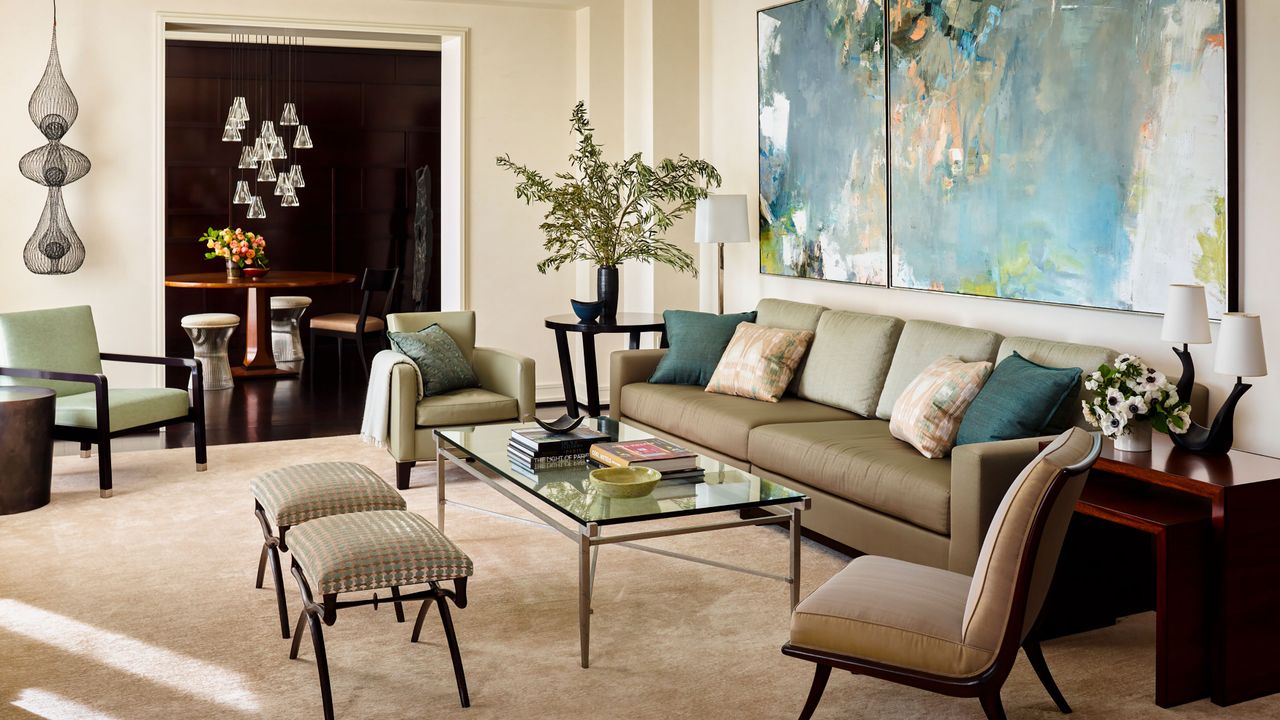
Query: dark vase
[607,292]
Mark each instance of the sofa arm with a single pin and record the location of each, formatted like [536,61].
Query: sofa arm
[404,413]
[626,367]
[507,373]
[981,473]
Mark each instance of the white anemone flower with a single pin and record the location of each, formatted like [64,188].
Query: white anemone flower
[1089,415]
[1091,382]
[1124,361]
[1152,380]
[1113,425]
[1184,422]
[1135,406]
[1114,401]
[1173,398]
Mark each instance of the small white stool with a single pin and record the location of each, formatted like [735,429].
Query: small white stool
[209,333]
[286,311]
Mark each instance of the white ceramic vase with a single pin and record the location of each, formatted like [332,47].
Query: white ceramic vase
[1138,439]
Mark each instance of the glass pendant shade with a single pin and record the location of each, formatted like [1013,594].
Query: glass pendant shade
[239,109]
[261,150]
[268,130]
[248,160]
[242,196]
[302,140]
[282,184]
[256,209]
[231,133]
[290,114]
[266,172]
[290,199]
[295,177]
[277,149]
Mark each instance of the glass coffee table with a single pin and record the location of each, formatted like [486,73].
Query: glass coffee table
[562,499]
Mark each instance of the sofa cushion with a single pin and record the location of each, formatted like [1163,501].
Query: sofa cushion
[697,341]
[859,461]
[465,407]
[1018,401]
[1056,354]
[788,314]
[892,612]
[922,342]
[849,360]
[759,362]
[929,411]
[719,422]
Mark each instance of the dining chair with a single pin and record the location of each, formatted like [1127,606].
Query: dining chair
[58,349]
[942,631]
[358,326]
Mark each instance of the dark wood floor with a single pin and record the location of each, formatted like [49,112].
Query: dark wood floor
[263,410]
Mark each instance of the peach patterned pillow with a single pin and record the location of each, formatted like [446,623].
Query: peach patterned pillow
[928,413]
[759,362]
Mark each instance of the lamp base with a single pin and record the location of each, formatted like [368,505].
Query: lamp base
[1187,381]
[1218,437]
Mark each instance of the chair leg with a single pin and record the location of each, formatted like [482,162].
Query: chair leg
[395,596]
[402,474]
[422,615]
[86,449]
[296,645]
[322,665]
[1032,648]
[821,674]
[262,567]
[364,364]
[273,554]
[992,706]
[339,339]
[447,620]
[104,465]
[202,448]
[311,366]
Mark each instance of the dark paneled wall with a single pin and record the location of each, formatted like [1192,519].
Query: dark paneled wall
[374,117]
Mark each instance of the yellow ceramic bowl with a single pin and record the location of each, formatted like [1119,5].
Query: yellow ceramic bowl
[625,482]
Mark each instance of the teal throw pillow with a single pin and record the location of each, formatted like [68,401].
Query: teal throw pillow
[697,341]
[1018,401]
[443,366]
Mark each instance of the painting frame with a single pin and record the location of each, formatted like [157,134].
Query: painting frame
[1230,179]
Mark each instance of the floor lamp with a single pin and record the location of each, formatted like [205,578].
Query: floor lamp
[721,219]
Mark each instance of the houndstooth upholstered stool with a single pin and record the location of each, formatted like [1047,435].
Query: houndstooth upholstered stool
[293,495]
[368,551]
[209,333]
[286,341]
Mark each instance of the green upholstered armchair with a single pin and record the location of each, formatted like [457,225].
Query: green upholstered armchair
[58,349]
[505,393]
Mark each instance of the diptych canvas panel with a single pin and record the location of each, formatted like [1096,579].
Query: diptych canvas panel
[1060,152]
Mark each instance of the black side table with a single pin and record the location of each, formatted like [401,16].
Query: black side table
[26,447]
[631,323]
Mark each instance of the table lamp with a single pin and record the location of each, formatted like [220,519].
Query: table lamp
[1241,353]
[721,219]
[1186,321]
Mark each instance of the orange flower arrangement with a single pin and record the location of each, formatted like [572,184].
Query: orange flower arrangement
[237,247]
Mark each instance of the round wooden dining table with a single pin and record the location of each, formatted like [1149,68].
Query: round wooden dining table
[259,361]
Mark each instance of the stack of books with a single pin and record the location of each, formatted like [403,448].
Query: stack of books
[673,461]
[534,449]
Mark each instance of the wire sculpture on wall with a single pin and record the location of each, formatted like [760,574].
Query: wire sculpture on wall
[54,248]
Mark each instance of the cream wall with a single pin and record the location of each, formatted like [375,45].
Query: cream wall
[520,86]
[728,125]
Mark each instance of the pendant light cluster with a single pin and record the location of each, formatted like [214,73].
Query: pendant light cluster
[256,76]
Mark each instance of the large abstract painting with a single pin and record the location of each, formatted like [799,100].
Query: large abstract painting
[824,183]
[1067,152]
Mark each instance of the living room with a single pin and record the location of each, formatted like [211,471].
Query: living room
[870,387]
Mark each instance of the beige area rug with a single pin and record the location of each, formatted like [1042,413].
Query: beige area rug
[142,606]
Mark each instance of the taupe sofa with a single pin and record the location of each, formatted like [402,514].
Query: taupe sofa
[829,435]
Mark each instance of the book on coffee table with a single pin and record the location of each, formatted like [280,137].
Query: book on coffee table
[663,456]
[537,442]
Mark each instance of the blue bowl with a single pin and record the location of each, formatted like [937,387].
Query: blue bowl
[587,311]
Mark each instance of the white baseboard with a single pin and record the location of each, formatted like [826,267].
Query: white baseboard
[554,392]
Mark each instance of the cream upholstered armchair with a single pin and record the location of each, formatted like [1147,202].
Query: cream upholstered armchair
[943,631]
[505,393]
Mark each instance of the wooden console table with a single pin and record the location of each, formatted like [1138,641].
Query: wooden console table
[1215,521]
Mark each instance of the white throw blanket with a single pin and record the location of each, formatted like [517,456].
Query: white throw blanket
[377,400]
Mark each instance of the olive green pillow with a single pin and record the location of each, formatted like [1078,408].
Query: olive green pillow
[443,366]
[697,341]
[1018,401]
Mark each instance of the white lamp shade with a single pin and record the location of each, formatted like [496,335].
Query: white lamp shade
[721,219]
[1240,349]
[1186,317]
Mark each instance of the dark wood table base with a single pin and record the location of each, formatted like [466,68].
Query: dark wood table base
[631,324]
